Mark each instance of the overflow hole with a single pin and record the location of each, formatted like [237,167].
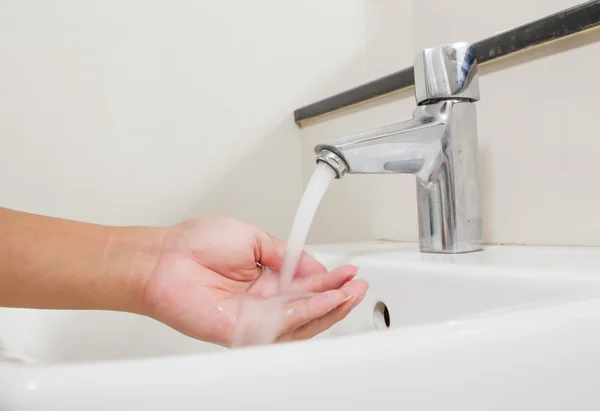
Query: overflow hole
[381,316]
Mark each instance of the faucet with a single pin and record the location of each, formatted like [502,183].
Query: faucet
[438,145]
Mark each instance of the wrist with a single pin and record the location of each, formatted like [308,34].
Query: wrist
[132,255]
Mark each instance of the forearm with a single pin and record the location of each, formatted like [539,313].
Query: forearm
[54,263]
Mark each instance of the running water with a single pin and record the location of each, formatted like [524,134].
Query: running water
[260,316]
[315,190]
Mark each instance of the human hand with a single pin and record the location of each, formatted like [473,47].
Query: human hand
[209,267]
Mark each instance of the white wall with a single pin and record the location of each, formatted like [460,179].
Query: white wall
[537,133]
[142,112]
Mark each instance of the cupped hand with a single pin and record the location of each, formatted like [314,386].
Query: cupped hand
[209,268]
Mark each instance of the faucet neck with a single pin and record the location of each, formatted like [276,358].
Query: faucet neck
[409,147]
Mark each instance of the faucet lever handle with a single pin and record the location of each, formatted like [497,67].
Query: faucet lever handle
[446,72]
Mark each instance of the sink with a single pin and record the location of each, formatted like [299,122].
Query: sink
[511,327]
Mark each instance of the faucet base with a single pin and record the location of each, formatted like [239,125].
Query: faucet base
[448,195]
[460,250]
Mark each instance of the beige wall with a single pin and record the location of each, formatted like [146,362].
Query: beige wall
[539,141]
[147,112]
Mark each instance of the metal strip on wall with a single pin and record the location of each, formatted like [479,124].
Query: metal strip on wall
[575,20]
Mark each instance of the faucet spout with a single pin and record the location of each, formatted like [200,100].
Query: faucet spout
[410,147]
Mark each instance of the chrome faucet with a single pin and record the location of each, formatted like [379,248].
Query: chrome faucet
[438,145]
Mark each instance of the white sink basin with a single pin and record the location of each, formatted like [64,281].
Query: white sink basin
[507,328]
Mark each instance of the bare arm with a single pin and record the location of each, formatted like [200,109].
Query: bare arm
[54,263]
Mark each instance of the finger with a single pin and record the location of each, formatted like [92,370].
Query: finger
[324,281]
[267,285]
[302,311]
[271,251]
[357,288]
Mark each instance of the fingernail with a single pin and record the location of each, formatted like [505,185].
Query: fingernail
[348,291]
[348,297]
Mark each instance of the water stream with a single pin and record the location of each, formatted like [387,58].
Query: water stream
[315,190]
[260,316]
